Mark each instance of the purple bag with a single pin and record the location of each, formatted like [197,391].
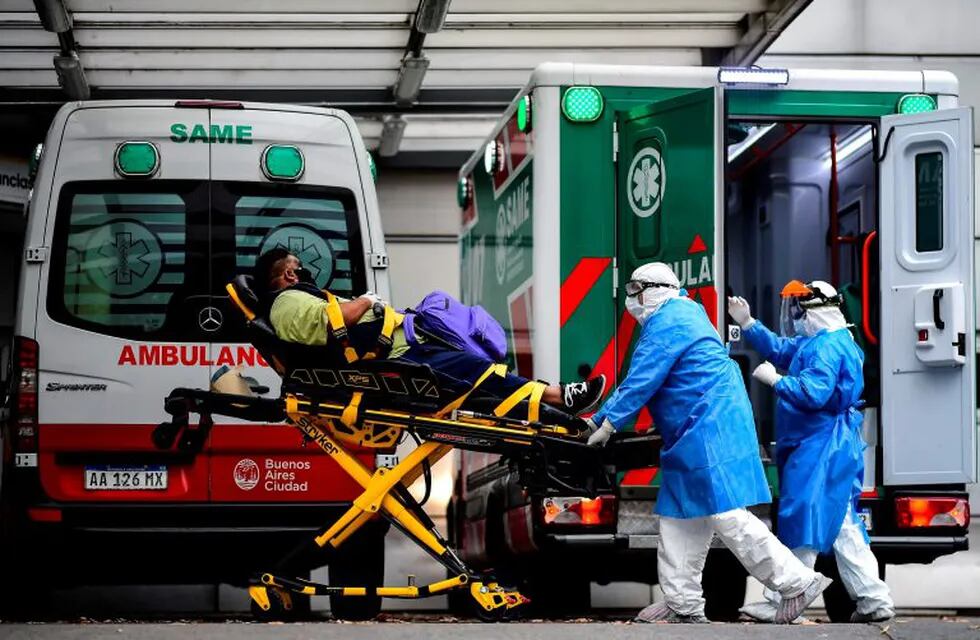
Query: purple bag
[460,326]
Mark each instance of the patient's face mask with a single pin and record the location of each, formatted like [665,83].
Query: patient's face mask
[304,275]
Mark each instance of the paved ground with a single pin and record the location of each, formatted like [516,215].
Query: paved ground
[899,629]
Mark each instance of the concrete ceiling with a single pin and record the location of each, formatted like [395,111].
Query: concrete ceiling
[354,54]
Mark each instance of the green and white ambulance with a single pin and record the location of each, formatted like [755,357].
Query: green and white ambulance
[741,179]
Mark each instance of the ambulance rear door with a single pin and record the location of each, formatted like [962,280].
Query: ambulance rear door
[319,214]
[668,195]
[927,333]
[121,286]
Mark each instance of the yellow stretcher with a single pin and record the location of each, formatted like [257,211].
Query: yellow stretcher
[371,403]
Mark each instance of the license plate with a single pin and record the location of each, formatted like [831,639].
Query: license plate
[865,516]
[109,478]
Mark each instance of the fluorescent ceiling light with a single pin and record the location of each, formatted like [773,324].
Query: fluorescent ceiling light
[410,78]
[54,17]
[736,150]
[431,15]
[752,75]
[851,145]
[71,76]
[391,136]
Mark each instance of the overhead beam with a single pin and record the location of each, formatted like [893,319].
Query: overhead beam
[763,29]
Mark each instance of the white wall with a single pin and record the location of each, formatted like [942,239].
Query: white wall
[421,223]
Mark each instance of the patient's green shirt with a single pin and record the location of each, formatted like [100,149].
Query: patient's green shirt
[300,317]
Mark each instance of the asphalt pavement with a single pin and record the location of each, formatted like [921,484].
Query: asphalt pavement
[944,628]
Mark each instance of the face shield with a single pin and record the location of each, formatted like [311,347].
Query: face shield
[791,315]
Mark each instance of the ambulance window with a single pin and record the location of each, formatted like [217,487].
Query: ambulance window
[319,225]
[929,202]
[121,255]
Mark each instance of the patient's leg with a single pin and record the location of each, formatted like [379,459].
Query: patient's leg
[462,369]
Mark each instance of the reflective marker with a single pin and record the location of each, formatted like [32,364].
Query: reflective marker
[282,162]
[582,104]
[136,159]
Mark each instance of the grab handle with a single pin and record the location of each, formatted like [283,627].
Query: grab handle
[866,288]
[937,319]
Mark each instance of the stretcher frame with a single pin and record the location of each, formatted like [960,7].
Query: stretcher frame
[339,406]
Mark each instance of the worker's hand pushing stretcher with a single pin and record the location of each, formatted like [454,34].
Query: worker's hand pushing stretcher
[358,373]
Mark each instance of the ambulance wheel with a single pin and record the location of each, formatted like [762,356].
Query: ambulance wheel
[723,583]
[360,563]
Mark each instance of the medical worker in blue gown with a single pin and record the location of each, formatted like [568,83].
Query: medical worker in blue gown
[710,466]
[819,451]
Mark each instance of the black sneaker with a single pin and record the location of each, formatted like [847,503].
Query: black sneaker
[580,397]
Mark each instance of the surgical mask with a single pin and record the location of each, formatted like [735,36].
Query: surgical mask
[649,301]
[635,309]
[304,275]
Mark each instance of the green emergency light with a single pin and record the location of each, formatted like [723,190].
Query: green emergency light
[373,165]
[524,114]
[464,193]
[136,159]
[916,103]
[582,104]
[282,162]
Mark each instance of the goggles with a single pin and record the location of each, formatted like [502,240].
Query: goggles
[636,287]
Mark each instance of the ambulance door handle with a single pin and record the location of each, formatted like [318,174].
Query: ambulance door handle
[960,344]
[937,319]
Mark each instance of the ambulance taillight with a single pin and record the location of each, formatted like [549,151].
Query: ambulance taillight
[24,423]
[928,511]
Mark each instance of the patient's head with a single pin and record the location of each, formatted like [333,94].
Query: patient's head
[276,269]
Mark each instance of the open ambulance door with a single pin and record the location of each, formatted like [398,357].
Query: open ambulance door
[668,195]
[927,333]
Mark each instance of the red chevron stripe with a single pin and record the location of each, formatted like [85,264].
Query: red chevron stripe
[578,283]
[640,476]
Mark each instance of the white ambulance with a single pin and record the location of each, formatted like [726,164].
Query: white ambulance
[742,179]
[141,212]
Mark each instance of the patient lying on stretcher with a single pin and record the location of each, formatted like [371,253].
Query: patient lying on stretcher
[300,312]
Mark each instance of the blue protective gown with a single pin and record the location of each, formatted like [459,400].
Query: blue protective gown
[818,431]
[681,372]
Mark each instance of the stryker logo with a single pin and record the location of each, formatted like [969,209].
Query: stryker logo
[66,386]
[216,133]
[172,355]
[15,181]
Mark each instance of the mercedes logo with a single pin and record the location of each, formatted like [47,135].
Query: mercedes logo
[210,319]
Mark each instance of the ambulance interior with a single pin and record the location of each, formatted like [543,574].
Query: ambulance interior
[795,210]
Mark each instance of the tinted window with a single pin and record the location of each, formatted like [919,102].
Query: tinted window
[318,224]
[316,227]
[929,202]
[123,253]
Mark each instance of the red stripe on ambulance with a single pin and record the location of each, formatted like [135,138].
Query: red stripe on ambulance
[578,284]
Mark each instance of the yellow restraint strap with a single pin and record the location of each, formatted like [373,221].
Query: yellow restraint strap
[532,390]
[391,320]
[238,301]
[494,369]
[337,327]
[349,416]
